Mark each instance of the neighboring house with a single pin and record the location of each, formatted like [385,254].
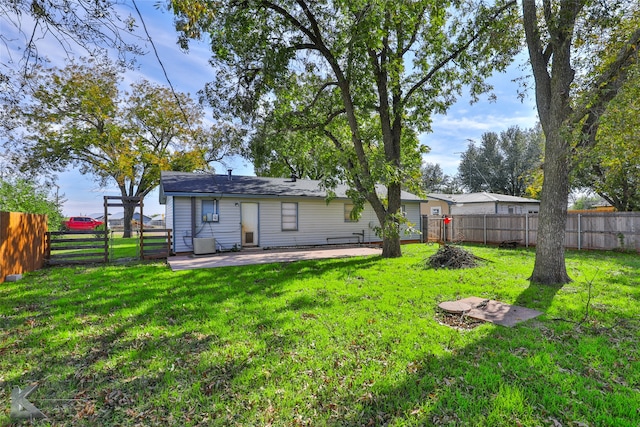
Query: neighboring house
[117,220]
[136,217]
[223,212]
[145,219]
[478,203]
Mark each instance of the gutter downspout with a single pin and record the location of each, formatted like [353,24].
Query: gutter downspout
[193,219]
[173,221]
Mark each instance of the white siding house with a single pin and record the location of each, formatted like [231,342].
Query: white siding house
[238,212]
[478,204]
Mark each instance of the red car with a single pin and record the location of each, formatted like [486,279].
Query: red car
[81,223]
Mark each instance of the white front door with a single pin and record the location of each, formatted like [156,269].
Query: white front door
[249,223]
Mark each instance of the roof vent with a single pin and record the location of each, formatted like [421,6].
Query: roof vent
[229,174]
[293,177]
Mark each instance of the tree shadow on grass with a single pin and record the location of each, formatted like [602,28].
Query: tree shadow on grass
[529,372]
[155,344]
[127,334]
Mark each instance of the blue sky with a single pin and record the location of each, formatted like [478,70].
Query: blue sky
[189,72]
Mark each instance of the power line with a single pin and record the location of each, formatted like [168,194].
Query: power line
[155,51]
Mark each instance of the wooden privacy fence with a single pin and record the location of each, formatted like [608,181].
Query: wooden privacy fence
[599,230]
[22,242]
[77,247]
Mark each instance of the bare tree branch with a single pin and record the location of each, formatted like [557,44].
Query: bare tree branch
[453,55]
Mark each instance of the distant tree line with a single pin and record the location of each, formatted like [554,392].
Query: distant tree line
[511,162]
[504,163]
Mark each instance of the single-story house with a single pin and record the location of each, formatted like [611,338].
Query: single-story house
[117,219]
[209,213]
[478,203]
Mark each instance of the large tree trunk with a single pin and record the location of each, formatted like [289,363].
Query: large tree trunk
[391,247]
[390,225]
[549,267]
[128,218]
[553,88]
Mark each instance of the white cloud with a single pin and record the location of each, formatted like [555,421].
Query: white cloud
[448,162]
[452,133]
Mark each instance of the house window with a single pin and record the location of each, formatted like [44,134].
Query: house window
[436,211]
[348,212]
[289,216]
[210,211]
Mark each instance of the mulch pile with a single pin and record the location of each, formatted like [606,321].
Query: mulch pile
[452,257]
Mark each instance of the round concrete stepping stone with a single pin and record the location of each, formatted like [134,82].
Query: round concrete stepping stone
[455,307]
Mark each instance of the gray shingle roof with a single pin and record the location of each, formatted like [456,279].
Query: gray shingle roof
[480,198]
[203,184]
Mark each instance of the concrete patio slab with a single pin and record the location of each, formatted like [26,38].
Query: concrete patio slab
[248,257]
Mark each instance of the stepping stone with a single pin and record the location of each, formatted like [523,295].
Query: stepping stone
[498,312]
[455,307]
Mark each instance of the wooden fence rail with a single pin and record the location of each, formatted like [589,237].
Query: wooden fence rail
[155,243]
[77,247]
[599,230]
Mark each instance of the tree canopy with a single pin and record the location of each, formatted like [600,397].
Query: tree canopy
[364,76]
[93,26]
[33,29]
[502,163]
[79,116]
[24,195]
[611,167]
[434,180]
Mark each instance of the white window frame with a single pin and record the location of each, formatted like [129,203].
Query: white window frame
[348,208]
[289,216]
[436,210]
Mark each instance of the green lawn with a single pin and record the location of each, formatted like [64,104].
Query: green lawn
[344,342]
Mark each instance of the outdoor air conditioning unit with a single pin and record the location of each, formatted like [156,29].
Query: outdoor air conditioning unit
[204,245]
